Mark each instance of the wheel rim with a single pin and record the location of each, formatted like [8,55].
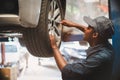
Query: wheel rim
[54,18]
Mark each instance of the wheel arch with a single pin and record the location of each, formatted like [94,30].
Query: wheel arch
[63,4]
[29,11]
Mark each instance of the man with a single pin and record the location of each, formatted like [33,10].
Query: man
[98,64]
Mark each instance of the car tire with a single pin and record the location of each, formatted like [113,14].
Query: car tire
[21,41]
[37,39]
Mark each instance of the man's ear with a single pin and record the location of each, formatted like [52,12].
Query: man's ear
[95,35]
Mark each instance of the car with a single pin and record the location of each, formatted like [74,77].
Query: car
[14,55]
[74,51]
[32,19]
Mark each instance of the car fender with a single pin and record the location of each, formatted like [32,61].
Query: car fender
[29,11]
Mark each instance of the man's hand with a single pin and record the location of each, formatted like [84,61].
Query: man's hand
[52,40]
[57,54]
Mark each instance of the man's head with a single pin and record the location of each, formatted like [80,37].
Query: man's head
[102,25]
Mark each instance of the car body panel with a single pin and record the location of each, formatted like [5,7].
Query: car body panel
[29,11]
[28,14]
[74,51]
[9,19]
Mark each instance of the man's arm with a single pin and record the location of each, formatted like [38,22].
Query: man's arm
[57,54]
[59,58]
[72,24]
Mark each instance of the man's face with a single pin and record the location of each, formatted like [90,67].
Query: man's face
[88,34]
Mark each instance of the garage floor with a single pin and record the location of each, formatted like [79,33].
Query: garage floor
[46,71]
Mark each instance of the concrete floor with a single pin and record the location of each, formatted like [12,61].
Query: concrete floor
[46,71]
